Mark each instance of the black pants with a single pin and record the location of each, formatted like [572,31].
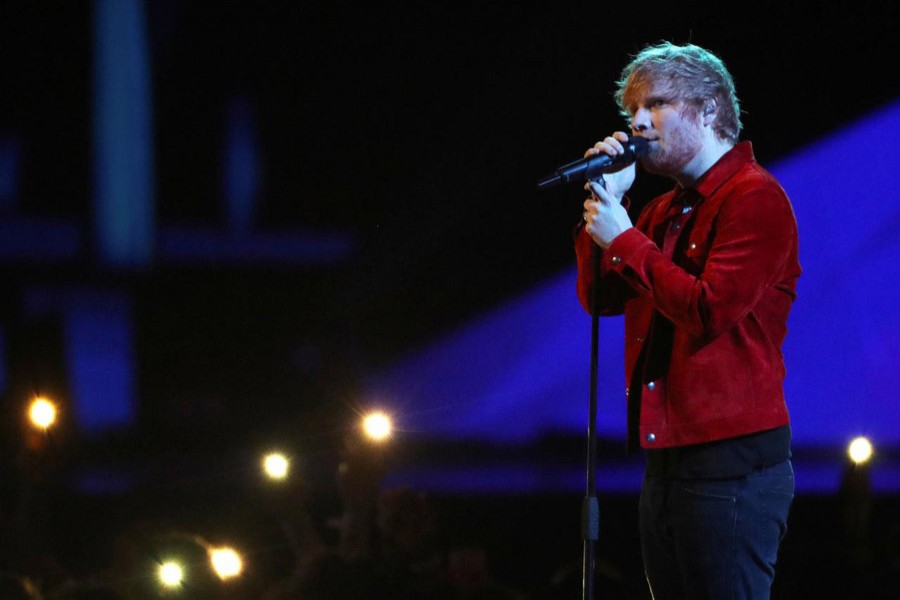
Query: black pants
[714,538]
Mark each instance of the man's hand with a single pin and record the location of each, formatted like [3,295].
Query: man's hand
[605,217]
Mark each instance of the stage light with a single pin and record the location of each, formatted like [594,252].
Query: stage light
[170,574]
[226,562]
[377,426]
[860,450]
[42,413]
[276,465]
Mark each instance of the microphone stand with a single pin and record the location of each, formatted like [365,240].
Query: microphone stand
[590,508]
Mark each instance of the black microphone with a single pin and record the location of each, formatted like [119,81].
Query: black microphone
[589,168]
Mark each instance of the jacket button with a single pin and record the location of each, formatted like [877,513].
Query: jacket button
[693,246]
[651,437]
[639,339]
[651,386]
[627,392]
[616,260]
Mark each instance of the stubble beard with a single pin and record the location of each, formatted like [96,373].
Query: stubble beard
[670,155]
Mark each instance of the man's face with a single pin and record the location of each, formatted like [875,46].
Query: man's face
[672,126]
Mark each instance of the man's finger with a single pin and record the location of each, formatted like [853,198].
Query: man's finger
[598,191]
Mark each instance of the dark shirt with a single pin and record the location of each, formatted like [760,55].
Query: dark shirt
[733,457]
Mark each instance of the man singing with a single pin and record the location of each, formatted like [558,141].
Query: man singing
[706,278]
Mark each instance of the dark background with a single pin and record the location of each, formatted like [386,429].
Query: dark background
[421,130]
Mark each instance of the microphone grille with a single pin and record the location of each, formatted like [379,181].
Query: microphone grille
[638,146]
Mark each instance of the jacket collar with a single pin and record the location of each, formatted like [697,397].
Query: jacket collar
[724,169]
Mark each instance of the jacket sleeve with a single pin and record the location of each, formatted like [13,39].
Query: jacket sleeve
[612,289]
[754,235]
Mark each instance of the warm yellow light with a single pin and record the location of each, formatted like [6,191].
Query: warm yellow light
[860,450]
[377,426]
[226,562]
[171,574]
[276,465]
[42,413]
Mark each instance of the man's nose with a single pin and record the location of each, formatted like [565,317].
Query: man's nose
[641,120]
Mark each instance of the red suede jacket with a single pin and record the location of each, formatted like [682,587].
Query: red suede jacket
[723,275]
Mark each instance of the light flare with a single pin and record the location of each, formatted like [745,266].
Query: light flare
[42,413]
[378,426]
[226,562]
[276,466]
[860,450]
[171,574]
